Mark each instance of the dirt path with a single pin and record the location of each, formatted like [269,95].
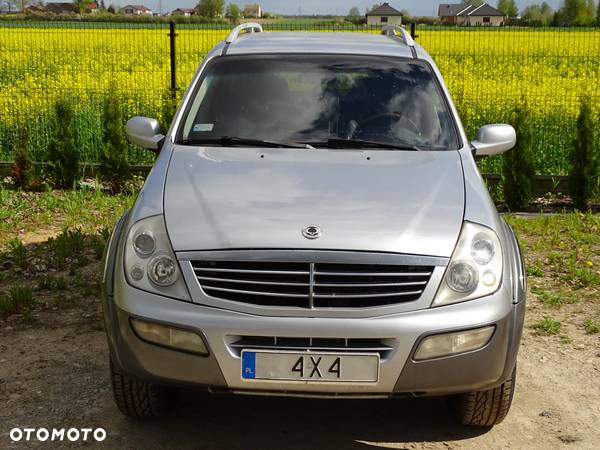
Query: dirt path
[53,374]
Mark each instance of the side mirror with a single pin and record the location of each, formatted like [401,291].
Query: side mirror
[145,132]
[494,139]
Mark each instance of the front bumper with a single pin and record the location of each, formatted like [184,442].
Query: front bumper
[399,373]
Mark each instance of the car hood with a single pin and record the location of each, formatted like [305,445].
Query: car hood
[365,200]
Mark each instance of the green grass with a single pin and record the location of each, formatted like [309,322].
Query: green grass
[17,252]
[18,299]
[90,210]
[549,298]
[562,247]
[547,326]
[591,326]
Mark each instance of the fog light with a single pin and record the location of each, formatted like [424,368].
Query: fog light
[175,338]
[453,343]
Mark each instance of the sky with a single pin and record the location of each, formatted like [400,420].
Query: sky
[339,7]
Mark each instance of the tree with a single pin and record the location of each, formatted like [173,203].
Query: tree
[21,170]
[584,158]
[63,157]
[576,12]
[405,15]
[598,14]
[508,7]
[518,166]
[102,5]
[210,8]
[112,9]
[354,13]
[82,5]
[375,6]
[233,13]
[114,167]
[538,14]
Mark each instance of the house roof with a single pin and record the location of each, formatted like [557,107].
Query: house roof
[137,7]
[384,10]
[185,10]
[466,9]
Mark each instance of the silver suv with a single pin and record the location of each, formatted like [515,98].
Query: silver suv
[315,225]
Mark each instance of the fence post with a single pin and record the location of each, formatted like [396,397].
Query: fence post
[413,30]
[173,55]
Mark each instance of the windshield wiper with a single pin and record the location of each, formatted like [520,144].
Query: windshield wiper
[233,141]
[359,143]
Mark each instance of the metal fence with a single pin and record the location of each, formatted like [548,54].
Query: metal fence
[489,71]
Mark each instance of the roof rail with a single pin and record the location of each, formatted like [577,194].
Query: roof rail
[249,27]
[400,31]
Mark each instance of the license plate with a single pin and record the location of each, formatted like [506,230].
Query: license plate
[309,366]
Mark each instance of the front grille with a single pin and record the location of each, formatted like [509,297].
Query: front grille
[338,345]
[312,285]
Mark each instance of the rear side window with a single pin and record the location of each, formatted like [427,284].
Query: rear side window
[303,98]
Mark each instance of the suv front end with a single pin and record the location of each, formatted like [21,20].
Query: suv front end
[307,267]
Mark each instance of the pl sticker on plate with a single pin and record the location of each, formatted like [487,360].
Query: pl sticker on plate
[248,365]
[203,127]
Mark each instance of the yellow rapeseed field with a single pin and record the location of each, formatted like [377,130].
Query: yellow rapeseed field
[488,72]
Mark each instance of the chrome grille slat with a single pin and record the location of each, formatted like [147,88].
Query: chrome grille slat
[311,284]
[409,283]
[231,280]
[240,291]
[312,347]
[385,294]
[266,272]
[338,345]
[371,274]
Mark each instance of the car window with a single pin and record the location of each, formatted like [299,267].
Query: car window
[300,98]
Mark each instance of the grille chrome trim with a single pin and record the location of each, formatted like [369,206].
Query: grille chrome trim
[239,291]
[387,294]
[309,284]
[409,283]
[231,280]
[382,274]
[267,272]
[382,346]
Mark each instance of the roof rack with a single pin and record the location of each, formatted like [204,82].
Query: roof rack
[399,31]
[249,27]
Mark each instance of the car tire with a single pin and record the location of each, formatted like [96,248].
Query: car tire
[484,408]
[139,399]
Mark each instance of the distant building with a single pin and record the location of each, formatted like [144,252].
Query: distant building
[384,15]
[467,14]
[136,10]
[9,8]
[187,12]
[35,9]
[253,10]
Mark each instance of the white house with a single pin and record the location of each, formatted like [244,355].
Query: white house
[136,10]
[467,14]
[384,15]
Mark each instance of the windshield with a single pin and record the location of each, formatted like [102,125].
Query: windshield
[316,99]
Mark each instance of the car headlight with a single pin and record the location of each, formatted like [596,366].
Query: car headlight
[475,269]
[150,263]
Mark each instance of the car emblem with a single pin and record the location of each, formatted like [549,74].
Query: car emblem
[311,232]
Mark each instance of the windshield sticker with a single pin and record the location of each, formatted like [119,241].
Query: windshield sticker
[203,127]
